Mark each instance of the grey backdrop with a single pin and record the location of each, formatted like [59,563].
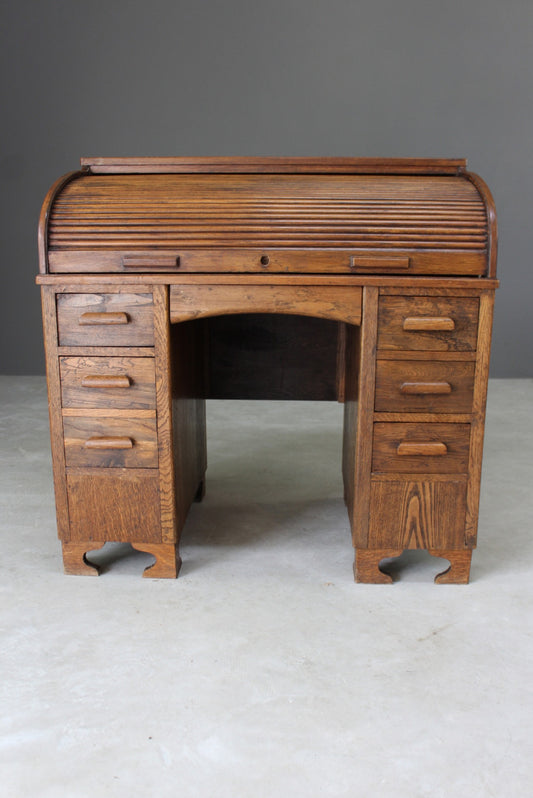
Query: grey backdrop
[280,77]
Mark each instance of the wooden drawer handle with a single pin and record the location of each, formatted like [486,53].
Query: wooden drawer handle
[150,262]
[106,381]
[413,388]
[109,443]
[103,318]
[379,263]
[431,449]
[428,323]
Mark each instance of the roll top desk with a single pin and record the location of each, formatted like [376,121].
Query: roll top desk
[382,273]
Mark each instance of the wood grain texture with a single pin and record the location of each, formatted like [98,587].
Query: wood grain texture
[367,562]
[111,412]
[53,379]
[114,504]
[478,419]
[490,209]
[192,302]
[388,285]
[413,354]
[426,418]
[421,514]
[352,350]
[188,409]
[392,374]
[428,323]
[100,382]
[179,213]
[167,560]
[275,165]
[435,287]
[458,572]
[244,260]
[167,476]
[379,264]
[107,351]
[366,565]
[75,561]
[137,308]
[42,236]
[140,431]
[389,456]
[171,241]
[362,449]
[397,311]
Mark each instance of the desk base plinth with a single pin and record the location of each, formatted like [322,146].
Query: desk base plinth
[166,566]
[366,565]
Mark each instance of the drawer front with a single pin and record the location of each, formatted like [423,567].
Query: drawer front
[121,506]
[118,382]
[440,324]
[408,514]
[418,386]
[420,448]
[110,442]
[105,319]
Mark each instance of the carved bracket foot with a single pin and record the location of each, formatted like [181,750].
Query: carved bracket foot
[75,561]
[366,565]
[458,572]
[167,560]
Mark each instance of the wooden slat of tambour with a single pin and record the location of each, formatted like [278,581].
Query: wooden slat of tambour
[242,231]
[374,184]
[298,243]
[245,210]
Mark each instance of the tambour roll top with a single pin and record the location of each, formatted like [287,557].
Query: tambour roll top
[269,215]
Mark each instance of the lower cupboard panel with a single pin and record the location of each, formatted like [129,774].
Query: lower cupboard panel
[114,504]
[417,515]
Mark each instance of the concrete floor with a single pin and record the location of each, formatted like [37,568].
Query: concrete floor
[264,671]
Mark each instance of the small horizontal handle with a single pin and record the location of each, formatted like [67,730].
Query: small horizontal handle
[377,263]
[413,388]
[103,318]
[429,449]
[150,261]
[428,323]
[109,443]
[106,381]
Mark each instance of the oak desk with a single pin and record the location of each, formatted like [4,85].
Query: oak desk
[381,274]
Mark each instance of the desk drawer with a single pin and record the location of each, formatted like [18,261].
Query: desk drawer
[420,448]
[118,382]
[419,386]
[431,323]
[110,442]
[105,319]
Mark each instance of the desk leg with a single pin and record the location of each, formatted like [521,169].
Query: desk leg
[458,572]
[167,560]
[366,566]
[74,560]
